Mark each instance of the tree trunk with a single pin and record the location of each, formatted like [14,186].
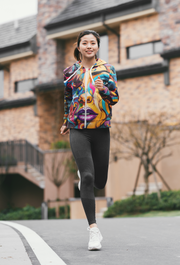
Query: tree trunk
[57,203]
[146,184]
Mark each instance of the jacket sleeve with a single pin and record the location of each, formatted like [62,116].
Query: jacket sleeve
[67,99]
[110,91]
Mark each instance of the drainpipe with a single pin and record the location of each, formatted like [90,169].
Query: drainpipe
[114,32]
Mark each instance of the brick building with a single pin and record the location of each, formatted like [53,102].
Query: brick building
[139,37]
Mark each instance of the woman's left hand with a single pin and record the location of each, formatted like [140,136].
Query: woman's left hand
[99,83]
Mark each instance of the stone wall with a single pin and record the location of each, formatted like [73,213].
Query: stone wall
[169,20]
[49,51]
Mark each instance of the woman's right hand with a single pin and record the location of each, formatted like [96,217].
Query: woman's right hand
[64,130]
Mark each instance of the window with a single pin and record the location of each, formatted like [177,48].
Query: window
[1,84]
[25,85]
[103,50]
[143,50]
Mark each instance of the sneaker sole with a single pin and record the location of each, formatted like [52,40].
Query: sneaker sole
[95,248]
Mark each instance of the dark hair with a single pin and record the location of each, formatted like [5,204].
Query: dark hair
[83,33]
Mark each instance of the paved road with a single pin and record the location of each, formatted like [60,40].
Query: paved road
[136,241]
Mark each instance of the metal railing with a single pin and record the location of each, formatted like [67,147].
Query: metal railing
[15,151]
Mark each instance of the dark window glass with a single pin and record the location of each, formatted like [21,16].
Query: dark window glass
[143,50]
[1,84]
[25,85]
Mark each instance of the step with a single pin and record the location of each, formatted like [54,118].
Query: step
[99,215]
[36,174]
[39,178]
[151,184]
[42,185]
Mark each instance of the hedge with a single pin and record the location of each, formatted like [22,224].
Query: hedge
[170,201]
[31,213]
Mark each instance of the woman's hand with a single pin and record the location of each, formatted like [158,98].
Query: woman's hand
[64,130]
[99,83]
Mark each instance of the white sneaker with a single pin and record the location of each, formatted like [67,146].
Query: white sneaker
[79,183]
[95,238]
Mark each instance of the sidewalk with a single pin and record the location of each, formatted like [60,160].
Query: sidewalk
[12,250]
[126,241]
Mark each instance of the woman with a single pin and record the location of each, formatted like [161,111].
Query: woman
[90,92]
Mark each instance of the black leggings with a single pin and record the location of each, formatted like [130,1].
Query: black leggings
[90,148]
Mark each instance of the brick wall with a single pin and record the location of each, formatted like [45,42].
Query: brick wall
[69,51]
[113,46]
[50,113]
[143,95]
[138,31]
[19,70]
[19,123]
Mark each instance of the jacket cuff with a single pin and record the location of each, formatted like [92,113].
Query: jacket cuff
[105,90]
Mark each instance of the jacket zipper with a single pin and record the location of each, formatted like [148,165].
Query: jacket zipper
[86,79]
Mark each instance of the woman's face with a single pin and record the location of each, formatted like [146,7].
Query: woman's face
[88,46]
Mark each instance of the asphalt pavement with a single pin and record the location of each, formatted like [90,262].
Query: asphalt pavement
[136,241]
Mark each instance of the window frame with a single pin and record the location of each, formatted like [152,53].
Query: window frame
[17,82]
[153,48]
[101,35]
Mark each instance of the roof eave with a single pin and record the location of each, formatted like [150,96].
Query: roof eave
[73,27]
[20,50]
[104,11]
[16,103]
[142,70]
[46,87]
[172,53]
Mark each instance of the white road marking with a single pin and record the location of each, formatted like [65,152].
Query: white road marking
[43,252]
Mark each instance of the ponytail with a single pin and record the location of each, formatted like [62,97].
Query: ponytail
[77,54]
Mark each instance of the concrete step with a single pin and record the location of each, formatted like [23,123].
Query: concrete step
[151,185]
[140,190]
[100,214]
[130,193]
[36,174]
[102,210]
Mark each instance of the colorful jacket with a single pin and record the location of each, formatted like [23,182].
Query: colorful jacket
[84,105]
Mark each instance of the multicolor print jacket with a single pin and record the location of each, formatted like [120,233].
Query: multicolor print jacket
[84,105]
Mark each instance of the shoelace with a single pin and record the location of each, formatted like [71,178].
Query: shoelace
[94,235]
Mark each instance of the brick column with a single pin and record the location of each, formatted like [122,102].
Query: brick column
[49,51]
[170,23]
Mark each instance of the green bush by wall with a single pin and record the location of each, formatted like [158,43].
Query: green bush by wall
[60,145]
[31,213]
[170,200]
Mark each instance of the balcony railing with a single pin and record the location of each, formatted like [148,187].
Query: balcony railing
[12,152]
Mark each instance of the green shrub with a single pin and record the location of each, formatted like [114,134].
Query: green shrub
[8,160]
[170,200]
[61,145]
[31,213]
